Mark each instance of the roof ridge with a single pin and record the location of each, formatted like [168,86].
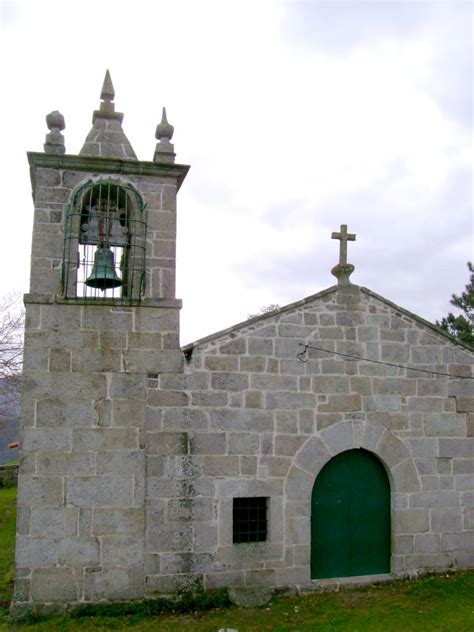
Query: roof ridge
[223,332]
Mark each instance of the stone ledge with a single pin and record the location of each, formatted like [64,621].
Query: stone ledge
[50,299]
[102,165]
[326,585]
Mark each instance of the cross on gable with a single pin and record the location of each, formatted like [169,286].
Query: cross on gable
[343,237]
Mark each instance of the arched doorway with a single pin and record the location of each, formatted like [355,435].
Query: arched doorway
[350,517]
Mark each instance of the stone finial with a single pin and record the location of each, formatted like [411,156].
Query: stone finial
[164,151]
[55,120]
[54,141]
[164,129]
[107,138]
[108,92]
[343,270]
[107,106]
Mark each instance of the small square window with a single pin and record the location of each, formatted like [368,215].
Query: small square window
[249,520]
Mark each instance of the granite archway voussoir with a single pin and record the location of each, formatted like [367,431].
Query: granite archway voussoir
[405,477]
[299,484]
[391,450]
[339,437]
[372,435]
[359,433]
[314,451]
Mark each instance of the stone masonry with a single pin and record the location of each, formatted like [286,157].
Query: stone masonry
[248,418]
[133,449]
[82,481]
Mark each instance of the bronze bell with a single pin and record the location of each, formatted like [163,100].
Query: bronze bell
[103,274]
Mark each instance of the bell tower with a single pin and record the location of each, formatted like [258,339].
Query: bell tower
[102,319]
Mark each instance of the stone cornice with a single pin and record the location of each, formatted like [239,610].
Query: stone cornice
[47,299]
[94,164]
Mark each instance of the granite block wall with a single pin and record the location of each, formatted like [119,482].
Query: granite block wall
[82,477]
[248,418]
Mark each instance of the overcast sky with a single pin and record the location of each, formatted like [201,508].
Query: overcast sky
[295,116]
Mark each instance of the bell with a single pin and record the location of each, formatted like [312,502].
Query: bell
[103,274]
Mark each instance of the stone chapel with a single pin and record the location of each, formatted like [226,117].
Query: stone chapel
[330,440]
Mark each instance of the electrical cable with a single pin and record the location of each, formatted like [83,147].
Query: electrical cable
[303,353]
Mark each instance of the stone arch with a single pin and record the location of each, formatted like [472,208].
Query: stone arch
[313,456]
[118,207]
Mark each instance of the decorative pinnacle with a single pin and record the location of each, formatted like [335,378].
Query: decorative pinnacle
[343,270]
[164,129]
[54,141]
[164,151]
[107,106]
[55,120]
[108,92]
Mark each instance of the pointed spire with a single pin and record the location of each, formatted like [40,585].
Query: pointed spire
[54,141]
[108,92]
[107,138]
[107,106]
[164,129]
[164,151]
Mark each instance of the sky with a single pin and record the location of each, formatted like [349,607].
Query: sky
[295,116]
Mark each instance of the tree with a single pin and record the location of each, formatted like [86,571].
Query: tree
[462,325]
[266,309]
[11,350]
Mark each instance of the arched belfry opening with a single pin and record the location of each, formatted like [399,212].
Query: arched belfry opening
[350,517]
[105,241]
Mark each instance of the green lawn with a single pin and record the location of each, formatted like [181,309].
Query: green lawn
[7,543]
[437,603]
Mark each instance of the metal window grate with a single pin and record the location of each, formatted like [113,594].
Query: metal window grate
[105,240]
[250,519]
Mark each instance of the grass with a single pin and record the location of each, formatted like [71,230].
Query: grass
[441,603]
[7,543]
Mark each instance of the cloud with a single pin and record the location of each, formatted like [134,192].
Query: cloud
[295,117]
[9,14]
[340,26]
[451,76]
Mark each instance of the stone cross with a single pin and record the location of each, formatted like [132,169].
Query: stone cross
[343,237]
[343,270]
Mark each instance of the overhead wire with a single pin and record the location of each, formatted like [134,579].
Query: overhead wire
[302,357]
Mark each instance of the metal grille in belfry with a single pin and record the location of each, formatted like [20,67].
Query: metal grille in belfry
[104,248]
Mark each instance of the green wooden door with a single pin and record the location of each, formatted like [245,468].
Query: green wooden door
[350,517]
